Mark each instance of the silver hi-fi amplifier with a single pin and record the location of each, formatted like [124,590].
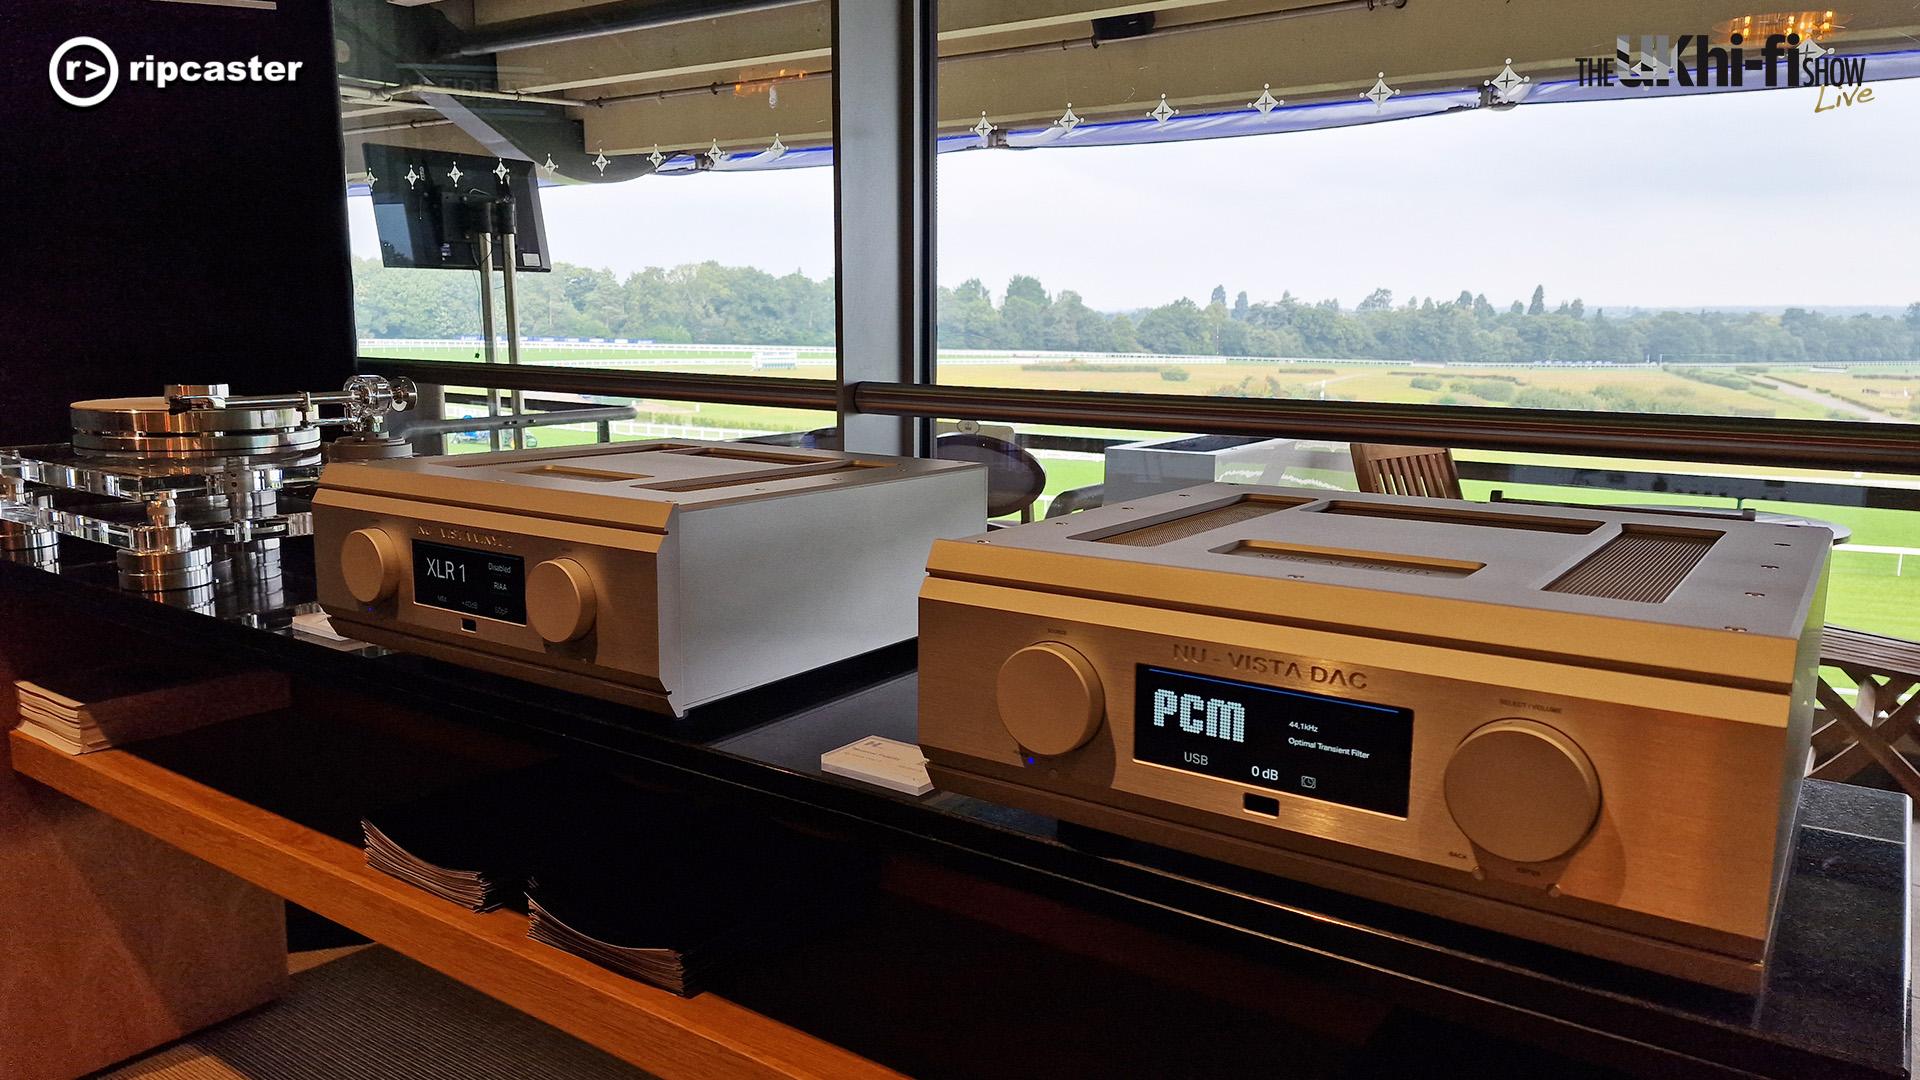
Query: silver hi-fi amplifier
[660,574]
[1581,726]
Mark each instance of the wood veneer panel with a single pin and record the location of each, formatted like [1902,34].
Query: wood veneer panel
[111,942]
[702,1038]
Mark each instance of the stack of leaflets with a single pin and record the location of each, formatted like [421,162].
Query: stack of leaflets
[459,845]
[471,843]
[93,709]
[681,902]
[648,884]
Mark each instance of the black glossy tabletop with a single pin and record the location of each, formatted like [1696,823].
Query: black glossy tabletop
[1835,1004]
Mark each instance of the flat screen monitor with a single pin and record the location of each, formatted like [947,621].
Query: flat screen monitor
[425,203]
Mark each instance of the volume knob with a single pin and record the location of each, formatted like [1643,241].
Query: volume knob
[561,601]
[370,564]
[1522,791]
[1050,698]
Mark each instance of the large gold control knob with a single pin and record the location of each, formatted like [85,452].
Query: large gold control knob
[1050,698]
[560,600]
[370,563]
[1522,791]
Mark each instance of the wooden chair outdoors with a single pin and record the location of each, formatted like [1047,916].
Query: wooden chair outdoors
[1426,471]
[1849,735]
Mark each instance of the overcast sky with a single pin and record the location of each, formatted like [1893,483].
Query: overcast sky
[1727,199]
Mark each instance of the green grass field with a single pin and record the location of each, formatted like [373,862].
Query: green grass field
[1889,390]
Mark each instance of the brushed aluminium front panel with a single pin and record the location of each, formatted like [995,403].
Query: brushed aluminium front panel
[1691,792]
[627,566]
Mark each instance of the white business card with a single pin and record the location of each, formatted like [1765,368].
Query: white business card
[317,624]
[887,763]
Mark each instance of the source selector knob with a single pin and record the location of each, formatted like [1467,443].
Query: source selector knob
[1522,791]
[1050,698]
[561,601]
[370,563]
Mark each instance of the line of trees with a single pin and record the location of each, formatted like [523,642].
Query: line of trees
[712,304]
[1465,329]
[705,303]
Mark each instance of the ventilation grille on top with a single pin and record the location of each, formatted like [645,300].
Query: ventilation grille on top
[1641,564]
[1167,532]
[1482,519]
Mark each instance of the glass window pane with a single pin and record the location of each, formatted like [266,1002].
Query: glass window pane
[1469,234]
[682,171]
[654,419]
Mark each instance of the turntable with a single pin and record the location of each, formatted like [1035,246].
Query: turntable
[190,487]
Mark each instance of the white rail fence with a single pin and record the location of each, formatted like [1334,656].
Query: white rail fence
[1899,554]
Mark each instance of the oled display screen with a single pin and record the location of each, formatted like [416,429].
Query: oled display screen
[1349,752]
[484,583]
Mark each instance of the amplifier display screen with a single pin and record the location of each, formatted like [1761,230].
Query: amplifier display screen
[1348,752]
[484,583]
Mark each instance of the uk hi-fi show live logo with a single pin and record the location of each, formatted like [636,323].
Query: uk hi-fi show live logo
[1694,60]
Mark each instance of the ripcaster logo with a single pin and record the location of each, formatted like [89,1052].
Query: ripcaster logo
[1257,664]
[85,71]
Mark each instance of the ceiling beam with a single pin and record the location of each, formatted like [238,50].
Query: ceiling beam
[605,20]
[714,75]
[797,37]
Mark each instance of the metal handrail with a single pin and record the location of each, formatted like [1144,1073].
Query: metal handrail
[1831,444]
[1730,440]
[820,394]
[511,421]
